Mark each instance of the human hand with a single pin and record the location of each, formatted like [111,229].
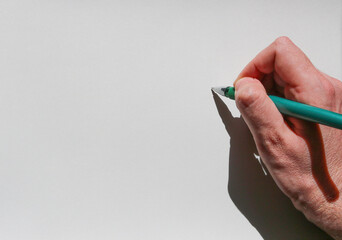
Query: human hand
[304,158]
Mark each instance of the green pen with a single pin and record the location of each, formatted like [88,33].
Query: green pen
[295,109]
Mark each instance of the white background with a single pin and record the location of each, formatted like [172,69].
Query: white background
[108,127]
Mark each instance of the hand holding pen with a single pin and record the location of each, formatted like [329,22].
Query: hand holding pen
[304,158]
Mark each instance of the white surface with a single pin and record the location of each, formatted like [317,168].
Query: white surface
[108,128]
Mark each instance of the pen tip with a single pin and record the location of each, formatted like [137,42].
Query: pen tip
[219,90]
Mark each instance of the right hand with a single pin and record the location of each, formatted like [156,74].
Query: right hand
[293,150]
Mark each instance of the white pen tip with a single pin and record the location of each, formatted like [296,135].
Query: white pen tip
[219,90]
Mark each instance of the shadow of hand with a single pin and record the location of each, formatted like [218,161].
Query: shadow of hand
[255,194]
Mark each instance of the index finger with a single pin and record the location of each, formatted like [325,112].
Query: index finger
[284,58]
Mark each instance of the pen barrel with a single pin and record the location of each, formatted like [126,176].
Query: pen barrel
[307,112]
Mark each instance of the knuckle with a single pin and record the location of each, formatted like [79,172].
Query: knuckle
[282,43]
[272,141]
[276,147]
[330,90]
[301,191]
[297,192]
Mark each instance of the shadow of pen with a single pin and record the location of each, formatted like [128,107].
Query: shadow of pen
[255,194]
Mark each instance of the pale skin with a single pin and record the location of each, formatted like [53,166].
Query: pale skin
[288,146]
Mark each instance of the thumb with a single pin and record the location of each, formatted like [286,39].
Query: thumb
[265,122]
